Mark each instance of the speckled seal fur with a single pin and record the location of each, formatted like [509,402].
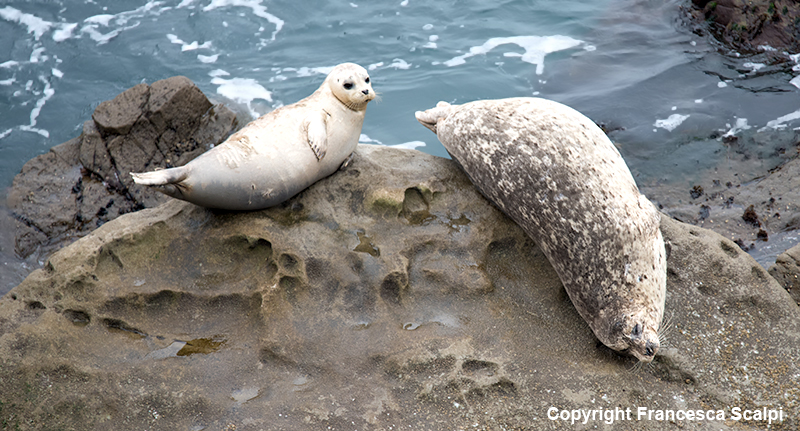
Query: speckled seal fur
[279,154]
[558,176]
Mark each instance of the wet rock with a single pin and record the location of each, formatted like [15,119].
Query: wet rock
[787,271]
[290,318]
[85,182]
[750,216]
[696,192]
[746,25]
[770,204]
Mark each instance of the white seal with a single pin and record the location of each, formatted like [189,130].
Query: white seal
[558,176]
[279,154]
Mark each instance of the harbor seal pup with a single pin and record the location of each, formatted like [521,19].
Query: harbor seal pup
[279,154]
[558,176]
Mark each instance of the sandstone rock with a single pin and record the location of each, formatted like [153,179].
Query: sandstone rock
[390,295]
[786,271]
[85,182]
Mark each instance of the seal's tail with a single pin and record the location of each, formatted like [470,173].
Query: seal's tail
[159,178]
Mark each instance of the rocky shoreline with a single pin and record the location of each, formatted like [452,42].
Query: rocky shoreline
[388,295]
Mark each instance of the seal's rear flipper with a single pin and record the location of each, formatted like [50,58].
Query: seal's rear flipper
[158,178]
[432,116]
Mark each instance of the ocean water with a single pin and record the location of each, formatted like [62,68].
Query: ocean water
[667,94]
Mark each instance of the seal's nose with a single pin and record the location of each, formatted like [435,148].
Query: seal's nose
[650,348]
[365,91]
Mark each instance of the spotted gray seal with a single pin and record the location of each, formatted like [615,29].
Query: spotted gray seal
[279,154]
[558,176]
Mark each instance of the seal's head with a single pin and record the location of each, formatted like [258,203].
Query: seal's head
[636,334]
[351,85]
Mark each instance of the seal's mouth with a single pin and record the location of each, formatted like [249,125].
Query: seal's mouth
[643,350]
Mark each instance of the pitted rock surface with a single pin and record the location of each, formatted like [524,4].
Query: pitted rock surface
[390,295]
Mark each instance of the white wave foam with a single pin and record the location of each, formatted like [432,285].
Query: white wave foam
[92,24]
[9,64]
[64,31]
[240,90]
[399,63]
[259,10]
[48,92]
[671,122]
[795,81]
[188,46]
[536,48]
[741,124]
[8,81]
[431,42]
[102,19]
[5,133]
[35,25]
[207,58]
[37,55]
[413,145]
[796,59]
[364,139]
[754,66]
[780,122]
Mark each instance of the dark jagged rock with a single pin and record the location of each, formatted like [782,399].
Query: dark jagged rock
[746,25]
[85,182]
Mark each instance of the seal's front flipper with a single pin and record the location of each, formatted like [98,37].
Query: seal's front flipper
[317,134]
[346,161]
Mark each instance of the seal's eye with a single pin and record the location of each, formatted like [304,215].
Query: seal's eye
[348,85]
[367,80]
[637,330]
[618,327]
